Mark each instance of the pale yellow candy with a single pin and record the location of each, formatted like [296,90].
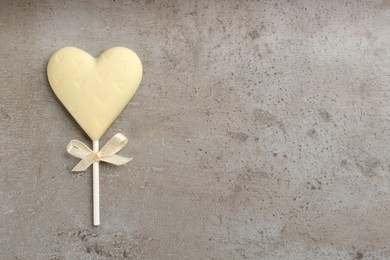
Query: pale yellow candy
[94,91]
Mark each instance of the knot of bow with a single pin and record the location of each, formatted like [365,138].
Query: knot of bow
[106,154]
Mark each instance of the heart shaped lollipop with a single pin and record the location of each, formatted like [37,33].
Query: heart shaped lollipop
[95,91]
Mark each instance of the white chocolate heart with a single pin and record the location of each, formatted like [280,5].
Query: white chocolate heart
[94,91]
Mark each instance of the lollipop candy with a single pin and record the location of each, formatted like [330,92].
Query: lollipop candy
[95,91]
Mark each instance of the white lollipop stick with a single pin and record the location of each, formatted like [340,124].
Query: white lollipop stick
[92,157]
[96,203]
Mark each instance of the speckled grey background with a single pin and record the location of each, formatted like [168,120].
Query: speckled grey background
[260,131]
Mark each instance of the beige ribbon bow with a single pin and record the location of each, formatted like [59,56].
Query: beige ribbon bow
[106,154]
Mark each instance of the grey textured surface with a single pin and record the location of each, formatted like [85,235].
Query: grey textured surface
[260,131]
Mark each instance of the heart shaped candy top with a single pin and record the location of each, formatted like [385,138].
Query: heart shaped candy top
[94,91]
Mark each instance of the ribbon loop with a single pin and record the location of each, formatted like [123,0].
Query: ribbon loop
[106,154]
[78,149]
[114,145]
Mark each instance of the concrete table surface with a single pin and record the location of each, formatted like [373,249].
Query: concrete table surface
[260,131]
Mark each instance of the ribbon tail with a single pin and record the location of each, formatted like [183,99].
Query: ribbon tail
[116,159]
[84,163]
